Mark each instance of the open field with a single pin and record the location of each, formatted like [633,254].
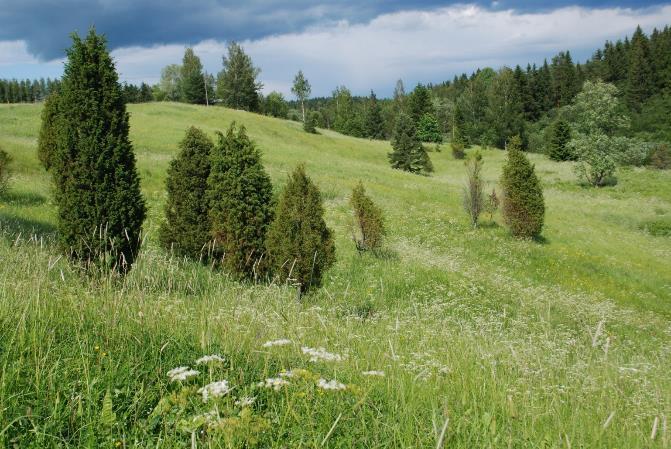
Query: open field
[487,340]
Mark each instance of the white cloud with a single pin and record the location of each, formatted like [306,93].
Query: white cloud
[413,45]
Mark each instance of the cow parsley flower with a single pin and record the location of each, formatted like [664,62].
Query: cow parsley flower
[320,354]
[276,383]
[245,401]
[181,373]
[210,359]
[373,373]
[215,390]
[330,385]
[280,342]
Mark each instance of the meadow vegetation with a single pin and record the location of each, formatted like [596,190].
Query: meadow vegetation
[450,337]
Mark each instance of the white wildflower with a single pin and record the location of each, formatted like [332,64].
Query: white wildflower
[210,359]
[273,382]
[181,373]
[330,385]
[373,373]
[214,390]
[245,401]
[280,342]
[320,354]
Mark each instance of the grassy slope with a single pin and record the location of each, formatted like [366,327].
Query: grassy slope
[499,335]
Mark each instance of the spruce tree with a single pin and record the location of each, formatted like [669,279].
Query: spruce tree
[300,246]
[428,129]
[408,153]
[640,81]
[369,228]
[97,188]
[237,84]
[311,122]
[374,123]
[419,103]
[49,128]
[523,203]
[186,229]
[240,201]
[559,139]
[192,79]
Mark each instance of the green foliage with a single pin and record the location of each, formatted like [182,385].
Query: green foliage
[428,129]
[373,121]
[419,103]
[192,79]
[5,173]
[97,188]
[458,151]
[523,203]
[473,196]
[492,204]
[408,153]
[301,89]
[300,246]
[369,228]
[49,128]
[559,139]
[310,124]
[171,82]
[660,227]
[240,200]
[596,161]
[505,109]
[640,81]
[237,84]
[275,105]
[186,229]
[660,157]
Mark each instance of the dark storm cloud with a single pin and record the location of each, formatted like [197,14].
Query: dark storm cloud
[46,24]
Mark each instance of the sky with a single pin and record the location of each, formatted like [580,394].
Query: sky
[363,45]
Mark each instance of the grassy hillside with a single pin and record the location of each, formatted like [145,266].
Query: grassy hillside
[502,343]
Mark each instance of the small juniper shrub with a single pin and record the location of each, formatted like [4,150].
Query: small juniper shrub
[300,247]
[311,121]
[408,153]
[458,151]
[240,201]
[5,160]
[186,229]
[473,196]
[523,203]
[368,230]
[492,204]
[660,157]
[559,139]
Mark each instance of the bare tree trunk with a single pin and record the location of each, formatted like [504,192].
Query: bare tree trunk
[207,100]
[303,109]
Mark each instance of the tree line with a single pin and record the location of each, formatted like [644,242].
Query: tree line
[26,91]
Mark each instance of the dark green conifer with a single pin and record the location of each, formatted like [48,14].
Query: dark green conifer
[374,123]
[47,139]
[192,81]
[186,229]
[428,129]
[408,153]
[300,246]
[97,188]
[523,204]
[240,200]
[559,139]
[369,228]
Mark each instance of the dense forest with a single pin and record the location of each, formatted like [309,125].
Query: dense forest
[486,108]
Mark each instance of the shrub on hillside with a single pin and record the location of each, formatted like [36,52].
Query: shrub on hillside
[523,203]
[300,246]
[186,229]
[596,165]
[240,201]
[408,153]
[660,157]
[369,228]
[5,160]
[97,188]
[492,204]
[559,139]
[458,151]
[311,122]
[46,142]
[473,197]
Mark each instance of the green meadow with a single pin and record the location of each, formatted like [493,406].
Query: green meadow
[474,339]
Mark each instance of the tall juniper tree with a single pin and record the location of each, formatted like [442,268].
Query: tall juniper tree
[186,229]
[97,188]
[240,201]
[49,128]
